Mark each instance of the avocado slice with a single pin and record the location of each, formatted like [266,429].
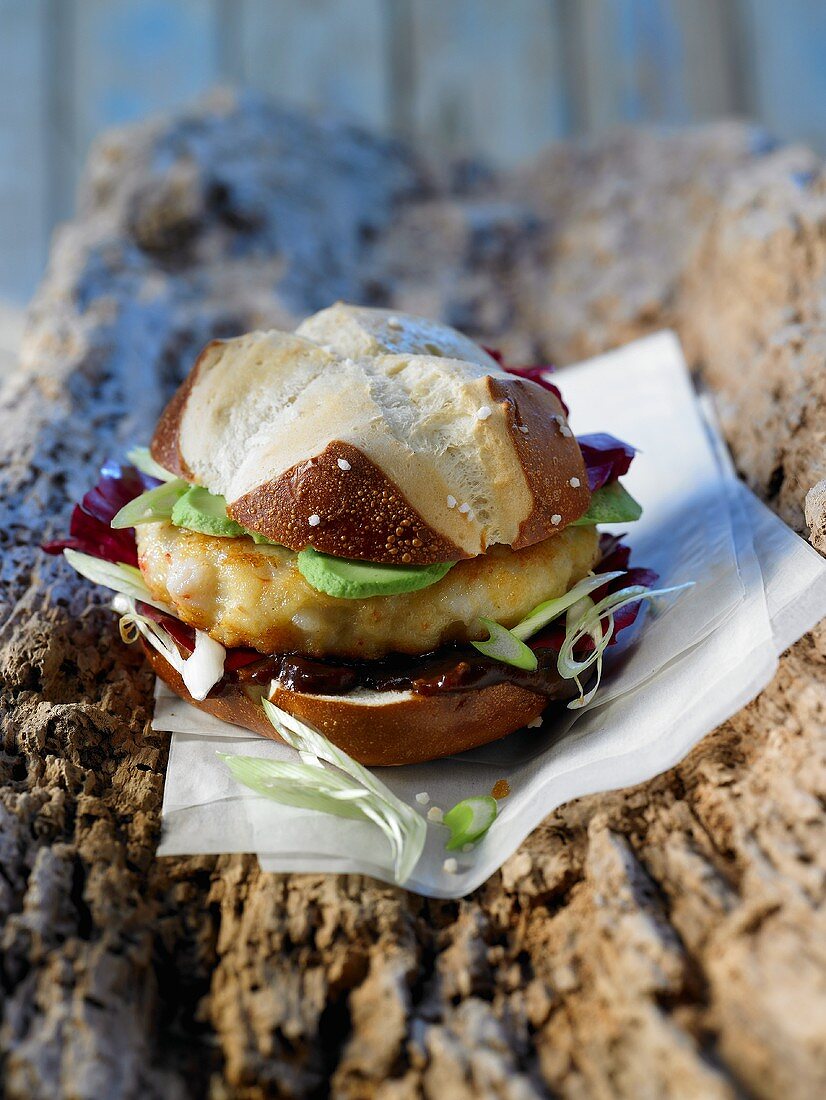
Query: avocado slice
[610,504]
[259,540]
[347,579]
[200,510]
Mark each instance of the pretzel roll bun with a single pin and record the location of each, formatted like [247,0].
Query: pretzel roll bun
[372,435]
[378,728]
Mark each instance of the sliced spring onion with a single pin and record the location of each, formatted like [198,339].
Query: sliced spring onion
[151,506]
[142,460]
[578,610]
[610,504]
[588,622]
[301,785]
[125,579]
[348,791]
[469,820]
[503,645]
[132,626]
[584,619]
[600,637]
[546,612]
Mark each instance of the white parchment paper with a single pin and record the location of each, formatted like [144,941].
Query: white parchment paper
[693,662]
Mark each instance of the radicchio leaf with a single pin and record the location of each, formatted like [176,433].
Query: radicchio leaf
[89,529]
[90,536]
[184,635]
[614,553]
[241,657]
[615,556]
[606,458]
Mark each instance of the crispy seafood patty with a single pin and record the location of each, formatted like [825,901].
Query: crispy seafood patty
[247,595]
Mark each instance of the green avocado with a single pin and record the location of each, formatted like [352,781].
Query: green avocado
[610,504]
[356,580]
[200,510]
[259,540]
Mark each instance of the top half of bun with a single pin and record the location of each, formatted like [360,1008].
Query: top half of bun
[373,435]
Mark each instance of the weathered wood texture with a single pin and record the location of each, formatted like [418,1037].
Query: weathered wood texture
[465,77]
[666,941]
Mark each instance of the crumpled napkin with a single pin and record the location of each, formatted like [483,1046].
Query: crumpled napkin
[694,660]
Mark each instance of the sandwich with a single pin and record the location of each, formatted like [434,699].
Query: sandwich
[376,525]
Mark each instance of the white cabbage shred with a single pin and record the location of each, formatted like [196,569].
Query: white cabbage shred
[201,670]
[330,781]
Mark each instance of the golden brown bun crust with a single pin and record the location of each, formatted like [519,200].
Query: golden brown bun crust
[412,730]
[417,728]
[375,523]
[536,420]
[165,447]
[442,457]
[233,706]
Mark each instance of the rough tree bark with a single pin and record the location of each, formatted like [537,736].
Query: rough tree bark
[666,941]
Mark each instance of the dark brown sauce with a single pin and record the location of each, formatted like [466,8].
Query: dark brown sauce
[453,669]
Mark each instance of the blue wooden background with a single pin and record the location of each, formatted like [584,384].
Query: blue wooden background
[498,77]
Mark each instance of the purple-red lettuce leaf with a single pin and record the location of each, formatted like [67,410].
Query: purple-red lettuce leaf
[615,555]
[183,634]
[89,529]
[89,535]
[606,458]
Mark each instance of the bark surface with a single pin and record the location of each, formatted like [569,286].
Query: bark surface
[665,941]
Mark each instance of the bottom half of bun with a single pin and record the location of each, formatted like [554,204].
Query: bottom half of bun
[377,727]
